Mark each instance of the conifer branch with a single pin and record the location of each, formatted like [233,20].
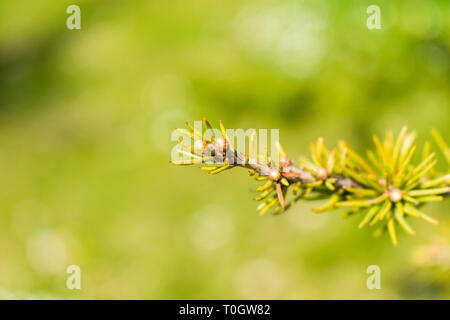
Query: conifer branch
[385,191]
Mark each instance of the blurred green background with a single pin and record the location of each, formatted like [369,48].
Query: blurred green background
[86,117]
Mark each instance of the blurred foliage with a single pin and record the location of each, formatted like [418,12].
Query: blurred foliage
[85,123]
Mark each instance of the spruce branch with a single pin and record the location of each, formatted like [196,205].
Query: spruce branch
[386,190]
